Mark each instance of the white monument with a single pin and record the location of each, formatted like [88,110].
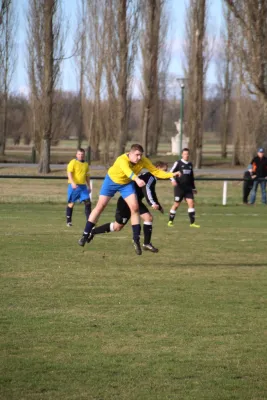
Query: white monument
[176,140]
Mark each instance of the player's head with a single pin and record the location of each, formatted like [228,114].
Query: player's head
[185,154]
[260,152]
[80,154]
[136,153]
[161,165]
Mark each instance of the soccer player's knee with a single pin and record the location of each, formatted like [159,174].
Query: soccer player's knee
[117,227]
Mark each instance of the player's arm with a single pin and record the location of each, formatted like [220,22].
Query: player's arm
[70,169]
[157,172]
[87,178]
[150,193]
[124,166]
[193,182]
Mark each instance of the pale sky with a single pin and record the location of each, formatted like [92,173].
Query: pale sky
[69,80]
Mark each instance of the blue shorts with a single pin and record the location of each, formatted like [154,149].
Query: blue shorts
[110,188]
[78,194]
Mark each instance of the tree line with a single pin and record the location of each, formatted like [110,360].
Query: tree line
[111,38]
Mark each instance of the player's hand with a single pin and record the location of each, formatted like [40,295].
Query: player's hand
[174,183]
[177,173]
[140,182]
[155,206]
[74,186]
[195,191]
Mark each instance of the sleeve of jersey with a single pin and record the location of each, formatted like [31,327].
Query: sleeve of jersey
[193,180]
[124,166]
[70,166]
[174,169]
[150,193]
[156,172]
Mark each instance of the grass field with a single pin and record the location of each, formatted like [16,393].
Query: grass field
[101,323]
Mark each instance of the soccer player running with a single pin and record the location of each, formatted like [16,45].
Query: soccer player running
[123,213]
[79,185]
[184,188]
[121,177]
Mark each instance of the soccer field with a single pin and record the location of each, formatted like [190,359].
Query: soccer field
[103,323]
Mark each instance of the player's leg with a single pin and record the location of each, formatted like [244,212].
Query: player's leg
[191,212]
[122,216]
[95,214]
[147,228]
[69,212]
[72,197]
[178,197]
[132,203]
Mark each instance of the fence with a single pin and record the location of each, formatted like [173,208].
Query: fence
[224,180]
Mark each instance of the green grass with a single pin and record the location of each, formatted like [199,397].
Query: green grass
[101,323]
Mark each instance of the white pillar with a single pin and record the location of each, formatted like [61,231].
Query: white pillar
[224,200]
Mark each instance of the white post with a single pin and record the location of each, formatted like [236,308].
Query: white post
[224,200]
[91,187]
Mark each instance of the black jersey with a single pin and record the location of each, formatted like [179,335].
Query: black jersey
[186,180]
[149,190]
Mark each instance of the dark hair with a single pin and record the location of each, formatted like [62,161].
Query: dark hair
[137,146]
[161,164]
[186,149]
[81,150]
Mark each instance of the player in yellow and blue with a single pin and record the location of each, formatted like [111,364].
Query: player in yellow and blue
[79,185]
[120,178]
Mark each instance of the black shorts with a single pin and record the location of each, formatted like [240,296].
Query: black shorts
[181,193]
[123,213]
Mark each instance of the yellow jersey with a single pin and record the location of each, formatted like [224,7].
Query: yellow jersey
[79,171]
[123,171]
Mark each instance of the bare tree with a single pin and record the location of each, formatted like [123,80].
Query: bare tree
[45,54]
[225,77]
[151,13]
[196,69]
[7,64]
[251,18]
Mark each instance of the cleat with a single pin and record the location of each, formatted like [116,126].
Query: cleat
[150,247]
[194,225]
[137,248]
[69,224]
[170,223]
[82,241]
[91,236]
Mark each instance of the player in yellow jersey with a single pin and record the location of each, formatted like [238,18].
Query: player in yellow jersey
[79,185]
[120,178]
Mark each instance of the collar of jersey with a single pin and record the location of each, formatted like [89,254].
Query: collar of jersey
[79,160]
[186,162]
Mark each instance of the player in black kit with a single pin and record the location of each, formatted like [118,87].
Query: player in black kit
[123,213]
[184,188]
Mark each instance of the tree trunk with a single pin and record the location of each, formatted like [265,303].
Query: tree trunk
[44,165]
[122,95]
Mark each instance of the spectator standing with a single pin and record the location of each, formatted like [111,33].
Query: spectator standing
[259,168]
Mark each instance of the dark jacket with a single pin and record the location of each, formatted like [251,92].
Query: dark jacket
[259,167]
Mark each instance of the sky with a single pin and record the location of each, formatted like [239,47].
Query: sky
[69,80]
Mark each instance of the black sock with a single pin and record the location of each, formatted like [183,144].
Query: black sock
[147,227]
[191,214]
[136,232]
[105,228]
[88,228]
[69,211]
[87,210]
[172,215]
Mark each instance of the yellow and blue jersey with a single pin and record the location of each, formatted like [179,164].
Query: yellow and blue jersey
[79,171]
[123,171]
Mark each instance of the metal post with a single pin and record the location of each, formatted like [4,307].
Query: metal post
[181,118]
[224,200]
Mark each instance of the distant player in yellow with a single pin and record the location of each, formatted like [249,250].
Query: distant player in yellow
[79,185]
[120,178]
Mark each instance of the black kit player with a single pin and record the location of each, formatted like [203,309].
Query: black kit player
[184,188]
[123,213]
